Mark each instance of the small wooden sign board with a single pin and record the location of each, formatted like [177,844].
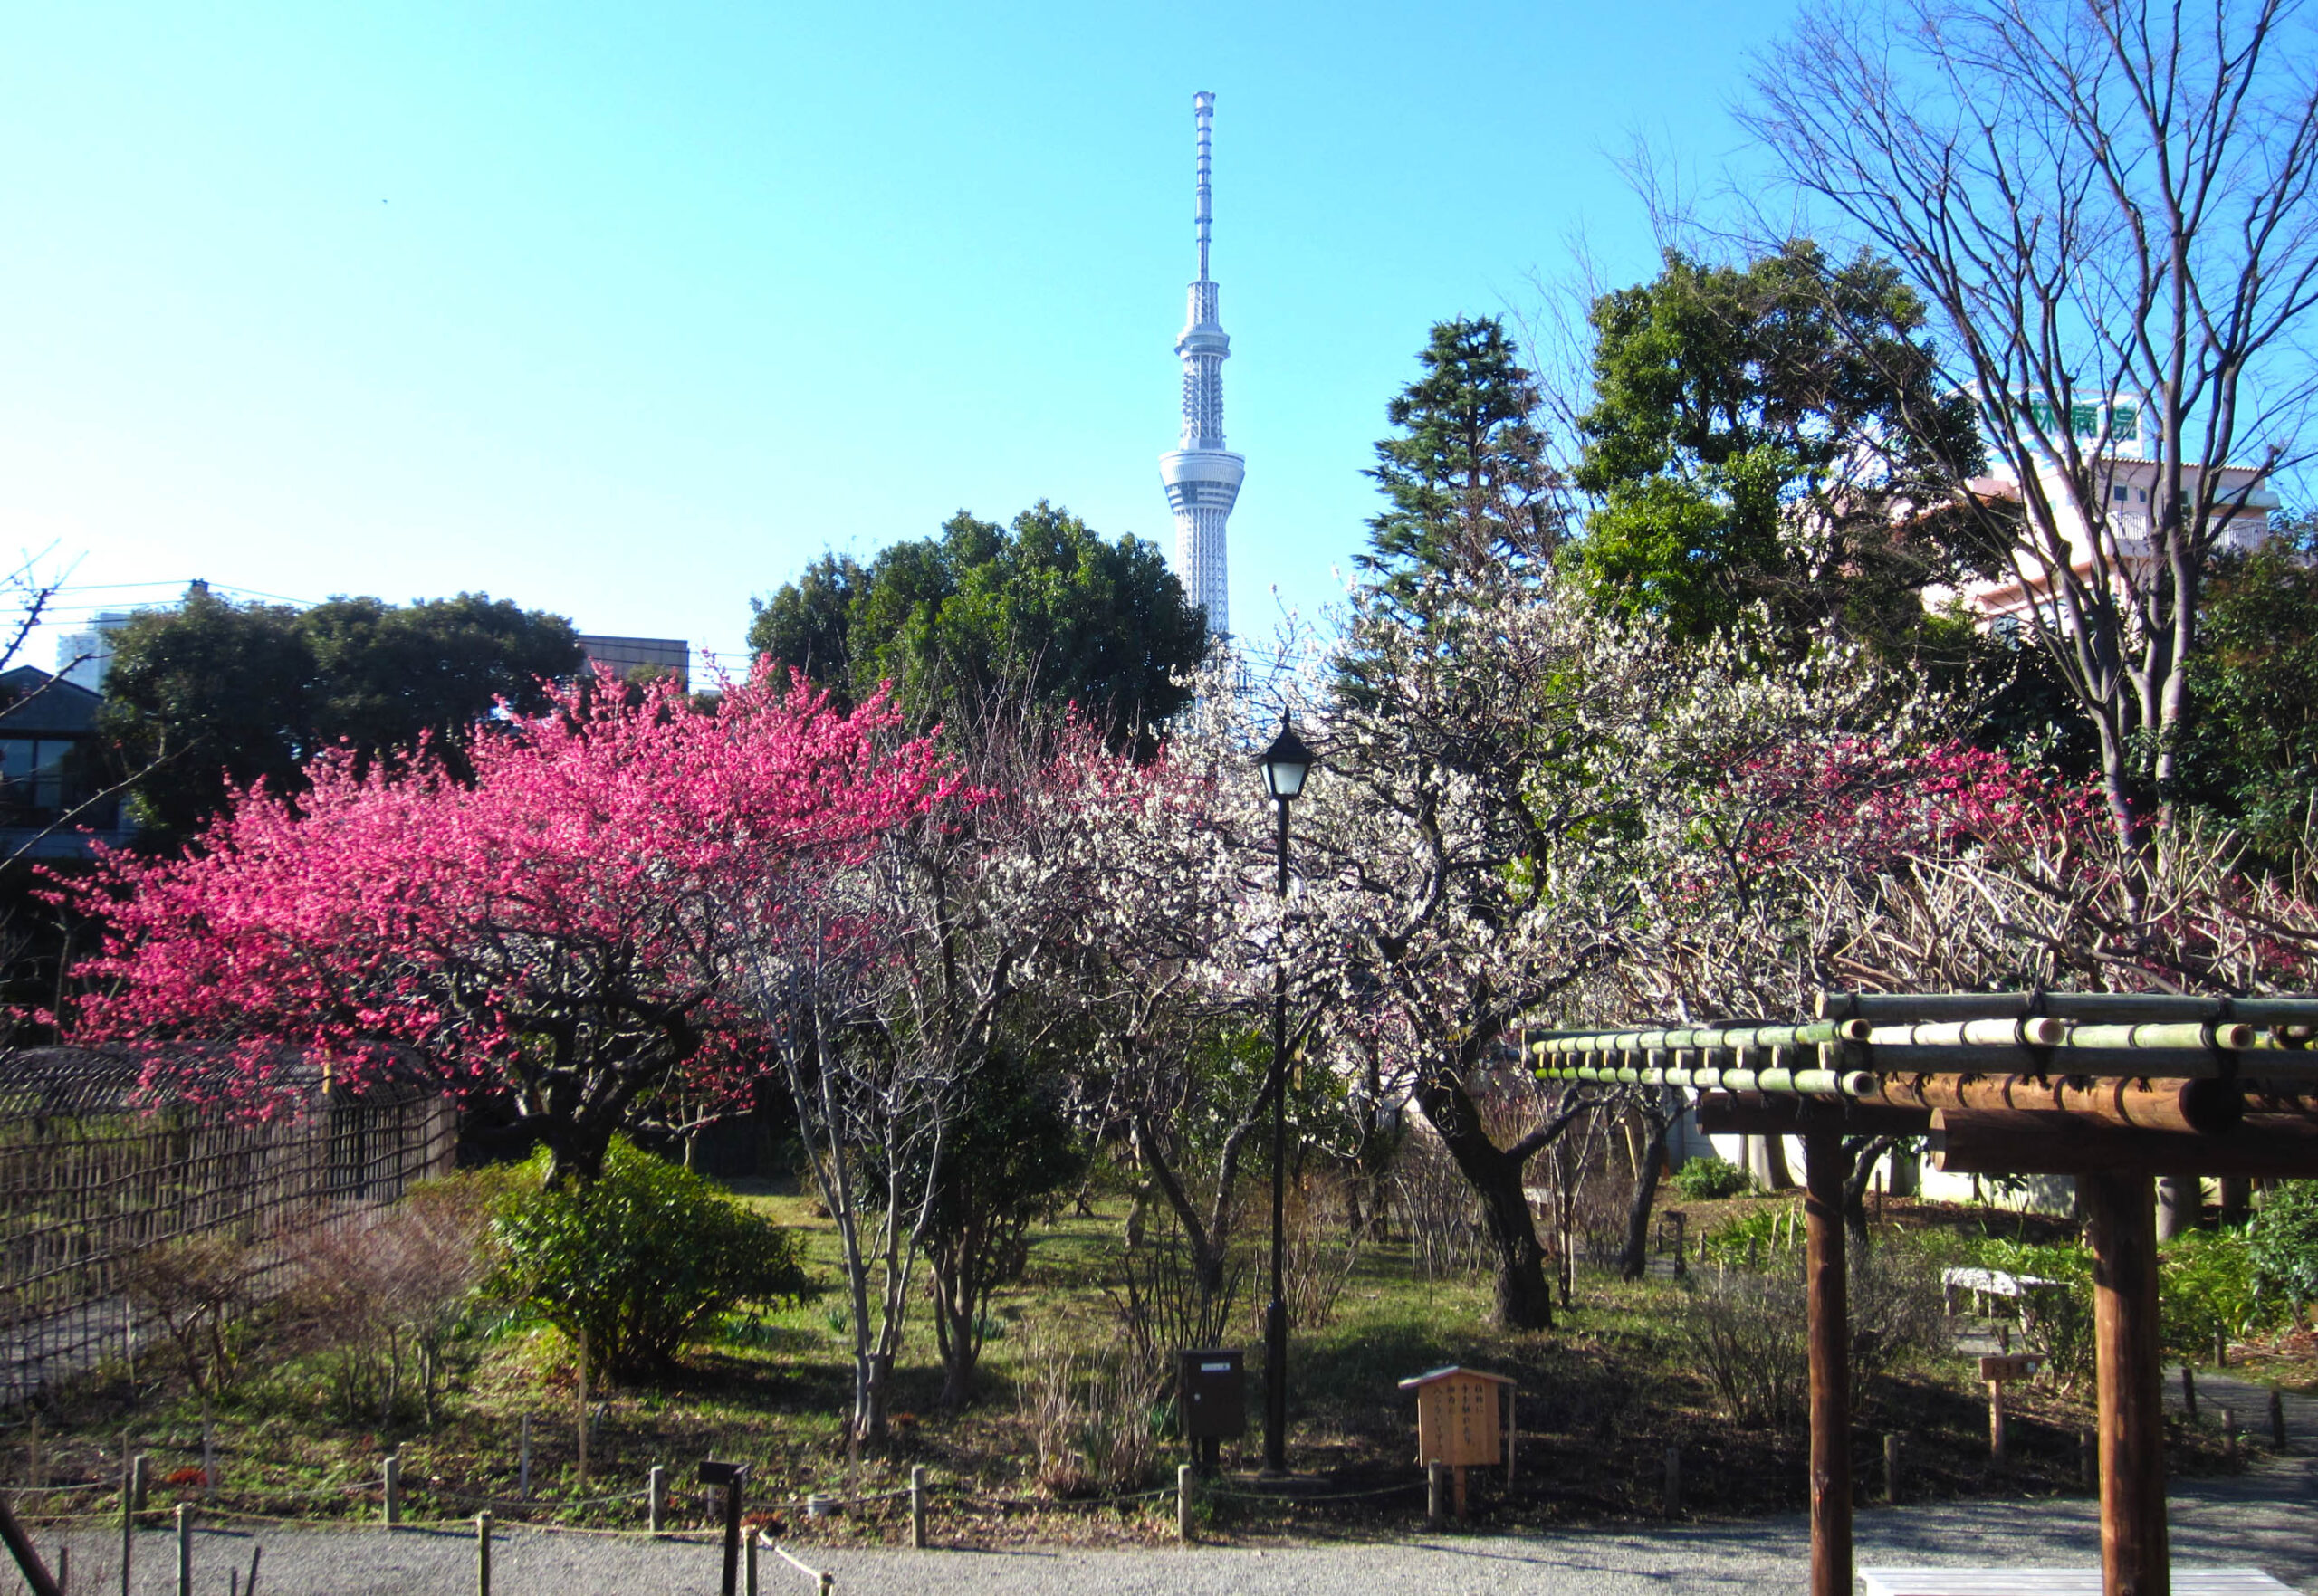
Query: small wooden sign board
[2000,1369]
[1464,1418]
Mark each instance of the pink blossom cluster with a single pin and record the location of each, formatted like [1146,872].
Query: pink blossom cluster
[565,923]
[1861,802]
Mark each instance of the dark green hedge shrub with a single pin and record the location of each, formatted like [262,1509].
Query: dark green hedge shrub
[644,1259]
[2282,1242]
[1706,1177]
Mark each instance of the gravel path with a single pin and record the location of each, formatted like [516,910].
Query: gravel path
[2262,1518]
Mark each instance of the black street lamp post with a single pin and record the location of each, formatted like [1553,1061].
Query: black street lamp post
[1285,764]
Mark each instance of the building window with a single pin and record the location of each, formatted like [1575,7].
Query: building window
[44,779]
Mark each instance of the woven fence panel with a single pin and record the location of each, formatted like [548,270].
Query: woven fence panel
[93,1171]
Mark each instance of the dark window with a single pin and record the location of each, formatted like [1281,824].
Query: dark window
[44,779]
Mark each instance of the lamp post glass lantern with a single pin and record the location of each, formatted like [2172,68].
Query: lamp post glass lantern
[1286,763]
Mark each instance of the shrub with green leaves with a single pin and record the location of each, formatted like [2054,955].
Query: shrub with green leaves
[2281,1244]
[2205,1283]
[644,1259]
[1754,1239]
[2056,1321]
[1706,1177]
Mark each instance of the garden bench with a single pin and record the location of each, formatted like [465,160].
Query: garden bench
[2057,1581]
[1983,1282]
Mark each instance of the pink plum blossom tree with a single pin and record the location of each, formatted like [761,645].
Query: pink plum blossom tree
[561,931]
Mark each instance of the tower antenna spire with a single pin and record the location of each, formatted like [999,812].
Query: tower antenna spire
[1203,113]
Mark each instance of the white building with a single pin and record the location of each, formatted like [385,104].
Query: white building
[83,657]
[2116,440]
[1202,478]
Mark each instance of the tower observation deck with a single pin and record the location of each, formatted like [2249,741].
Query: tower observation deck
[1202,477]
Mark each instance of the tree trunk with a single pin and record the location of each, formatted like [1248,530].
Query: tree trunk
[2178,1201]
[1524,1298]
[1779,1177]
[1864,1154]
[1634,1258]
[955,1309]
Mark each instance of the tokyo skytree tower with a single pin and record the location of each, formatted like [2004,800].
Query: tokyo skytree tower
[1202,477]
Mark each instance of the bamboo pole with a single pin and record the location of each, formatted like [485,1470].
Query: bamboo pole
[1756,1113]
[2100,1008]
[2190,1107]
[2069,1058]
[1731,1038]
[1980,1033]
[2122,1215]
[1829,1339]
[2017,1141]
[1806,1083]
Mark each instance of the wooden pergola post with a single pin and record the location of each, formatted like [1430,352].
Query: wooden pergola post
[1829,1332]
[2121,1208]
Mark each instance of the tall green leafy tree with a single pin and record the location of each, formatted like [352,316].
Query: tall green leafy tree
[211,696]
[808,624]
[1044,613]
[384,673]
[1466,479]
[2249,743]
[214,695]
[1775,433]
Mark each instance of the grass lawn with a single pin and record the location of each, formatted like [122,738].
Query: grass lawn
[1602,1396]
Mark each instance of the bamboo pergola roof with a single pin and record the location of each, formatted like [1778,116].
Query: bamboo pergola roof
[2111,1087]
[1864,1046]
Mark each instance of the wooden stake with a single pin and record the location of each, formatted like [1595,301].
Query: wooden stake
[730,1569]
[1436,1495]
[132,1472]
[2189,1393]
[2122,1215]
[392,1487]
[1184,1503]
[1829,1336]
[1996,1419]
[583,1410]
[917,1506]
[656,1497]
[482,1554]
[185,1549]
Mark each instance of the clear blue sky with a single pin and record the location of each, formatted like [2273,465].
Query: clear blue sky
[626,311]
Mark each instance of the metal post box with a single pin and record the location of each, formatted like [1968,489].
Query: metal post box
[1215,1386]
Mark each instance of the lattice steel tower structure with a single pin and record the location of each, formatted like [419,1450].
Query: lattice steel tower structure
[1202,477]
